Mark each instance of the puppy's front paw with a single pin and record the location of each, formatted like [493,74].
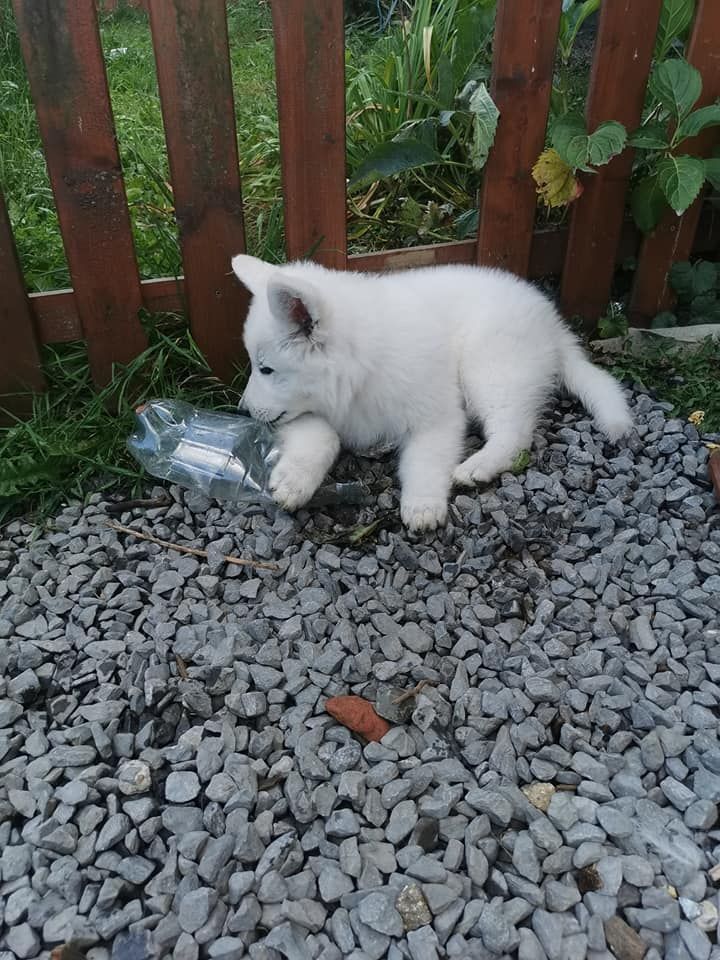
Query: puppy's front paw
[420,514]
[291,486]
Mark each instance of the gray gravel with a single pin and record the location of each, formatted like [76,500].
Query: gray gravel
[171,786]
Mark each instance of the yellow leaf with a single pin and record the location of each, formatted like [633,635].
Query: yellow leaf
[556,181]
[712,447]
[696,417]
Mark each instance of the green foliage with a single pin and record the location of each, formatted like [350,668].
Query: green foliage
[688,379]
[698,292]
[672,179]
[675,18]
[396,156]
[583,151]
[574,14]
[74,442]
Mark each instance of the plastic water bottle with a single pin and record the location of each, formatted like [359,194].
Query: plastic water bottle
[225,456]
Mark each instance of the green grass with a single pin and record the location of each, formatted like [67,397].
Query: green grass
[689,380]
[136,106]
[74,442]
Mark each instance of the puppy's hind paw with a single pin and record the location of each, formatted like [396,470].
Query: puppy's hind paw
[419,514]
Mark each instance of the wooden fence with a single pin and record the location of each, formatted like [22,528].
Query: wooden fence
[62,51]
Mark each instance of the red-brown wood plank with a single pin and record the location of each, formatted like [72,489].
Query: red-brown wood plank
[672,240]
[310,71]
[64,59]
[524,51]
[20,372]
[621,64]
[193,64]
[57,320]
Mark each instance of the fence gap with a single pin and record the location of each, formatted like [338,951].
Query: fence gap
[190,38]
[20,372]
[310,72]
[522,71]
[673,238]
[64,59]
[621,64]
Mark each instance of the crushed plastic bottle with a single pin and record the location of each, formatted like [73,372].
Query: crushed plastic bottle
[224,456]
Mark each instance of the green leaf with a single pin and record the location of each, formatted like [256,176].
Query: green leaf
[698,120]
[675,18]
[569,138]
[466,225]
[712,171]
[677,85]
[680,179]
[393,157]
[647,204]
[704,278]
[606,142]
[651,136]
[681,279]
[474,27]
[445,83]
[485,118]
[580,150]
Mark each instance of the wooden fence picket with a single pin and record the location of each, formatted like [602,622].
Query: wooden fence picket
[193,64]
[522,71]
[20,371]
[64,59]
[673,238]
[621,64]
[310,72]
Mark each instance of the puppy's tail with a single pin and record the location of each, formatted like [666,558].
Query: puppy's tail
[598,391]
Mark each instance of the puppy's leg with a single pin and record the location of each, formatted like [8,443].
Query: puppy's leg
[426,464]
[509,414]
[308,448]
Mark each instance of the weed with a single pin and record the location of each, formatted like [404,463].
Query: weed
[74,442]
[688,379]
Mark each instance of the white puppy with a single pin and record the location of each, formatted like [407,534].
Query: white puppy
[351,359]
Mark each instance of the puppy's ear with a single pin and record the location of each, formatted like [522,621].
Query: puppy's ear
[297,305]
[252,272]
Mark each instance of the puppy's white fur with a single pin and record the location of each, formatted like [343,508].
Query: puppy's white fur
[349,359]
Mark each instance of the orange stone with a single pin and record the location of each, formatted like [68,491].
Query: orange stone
[358,715]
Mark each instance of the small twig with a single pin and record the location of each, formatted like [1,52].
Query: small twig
[122,506]
[413,692]
[238,561]
[182,667]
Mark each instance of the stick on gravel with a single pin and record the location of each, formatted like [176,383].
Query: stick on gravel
[238,561]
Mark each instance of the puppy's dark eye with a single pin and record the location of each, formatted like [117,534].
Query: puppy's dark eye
[266,371]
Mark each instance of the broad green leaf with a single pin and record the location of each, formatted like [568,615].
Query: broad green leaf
[675,18]
[393,157]
[681,279]
[485,118]
[680,179]
[647,204]
[466,225]
[712,171]
[606,142]
[677,85]
[651,136]
[474,26]
[704,278]
[569,138]
[445,84]
[582,151]
[556,183]
[698,120]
